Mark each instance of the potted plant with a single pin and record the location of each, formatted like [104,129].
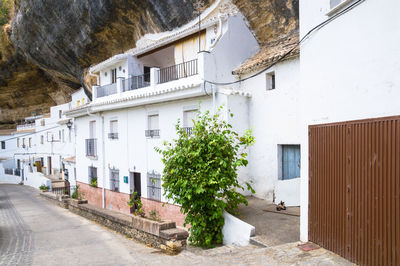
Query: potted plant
[136,203]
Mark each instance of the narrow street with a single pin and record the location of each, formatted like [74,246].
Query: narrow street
[33,231]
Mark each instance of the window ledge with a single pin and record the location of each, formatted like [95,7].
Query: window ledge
[339,7]
[91,157]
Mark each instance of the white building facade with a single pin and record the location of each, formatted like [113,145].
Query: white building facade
[348,70]
[42,149]
[142,94]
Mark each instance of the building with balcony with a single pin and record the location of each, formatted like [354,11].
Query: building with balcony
[141,94]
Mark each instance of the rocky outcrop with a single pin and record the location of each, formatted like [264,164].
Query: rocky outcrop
[49,45]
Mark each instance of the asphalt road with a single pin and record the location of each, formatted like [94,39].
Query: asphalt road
[33,231]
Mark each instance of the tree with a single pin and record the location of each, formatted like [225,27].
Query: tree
[5,7]
[200,174]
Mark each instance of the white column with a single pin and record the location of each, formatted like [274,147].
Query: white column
[120,85]
[154,76]
[94,92]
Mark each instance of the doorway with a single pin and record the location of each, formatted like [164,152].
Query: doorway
[49,165]
[135,186]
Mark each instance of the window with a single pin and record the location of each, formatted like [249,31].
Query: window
[18,142]
[78,102]
[3,145]
[30,142]
[92,175]
[83,100]
[336,5]
[63,135]
[113,75]
[188,117]
[114,180]
[59,113]
[290,161]
[41,139]
[146,73]
[92,129]
[59,135]
[270,81]
[152,125]
[154,186]
[42,123]
[23,142]
[113,129]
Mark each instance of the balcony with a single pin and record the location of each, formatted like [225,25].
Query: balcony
[188,130]
[151,133]
[113,135]
[91,147]
[106,90]
[155,77]
[183,70]
[25,126]
[136,82]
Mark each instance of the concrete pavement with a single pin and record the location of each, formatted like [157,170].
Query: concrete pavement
[33,231]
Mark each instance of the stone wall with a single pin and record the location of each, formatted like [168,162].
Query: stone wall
[167,212]
[162,235]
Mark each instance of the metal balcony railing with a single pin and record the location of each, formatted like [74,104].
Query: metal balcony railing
[150,133]
[9,171]
[17,172]
[136,82]
[183,70]
[188,130]
[113,135]
[106,90]
[91,147]
[25,126]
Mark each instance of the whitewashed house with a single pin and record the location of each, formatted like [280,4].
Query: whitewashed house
[273,113]
[42,149]
[350,124]
[140,96]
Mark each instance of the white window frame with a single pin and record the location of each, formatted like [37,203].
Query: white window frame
[338,7]
[270,79]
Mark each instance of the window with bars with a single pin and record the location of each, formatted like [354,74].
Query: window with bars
[114,180]
[113,129]
[92,176]
[153,126]
[154,186]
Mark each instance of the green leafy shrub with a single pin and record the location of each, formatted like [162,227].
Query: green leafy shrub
[154,215]
[44,187]
[137,203]
[200,174]
[93,182]
[75,194]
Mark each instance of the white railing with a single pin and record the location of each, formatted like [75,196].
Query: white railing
[25,126]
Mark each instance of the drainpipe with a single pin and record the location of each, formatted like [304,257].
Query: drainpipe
[103,155]
[213,98]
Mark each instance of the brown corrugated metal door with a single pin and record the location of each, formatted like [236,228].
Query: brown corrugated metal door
[354,189]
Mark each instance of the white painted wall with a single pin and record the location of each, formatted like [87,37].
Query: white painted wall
[35,179]
[236,232]
[274,118]
[349,70]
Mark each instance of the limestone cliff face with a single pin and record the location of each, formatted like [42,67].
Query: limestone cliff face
[48,46]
